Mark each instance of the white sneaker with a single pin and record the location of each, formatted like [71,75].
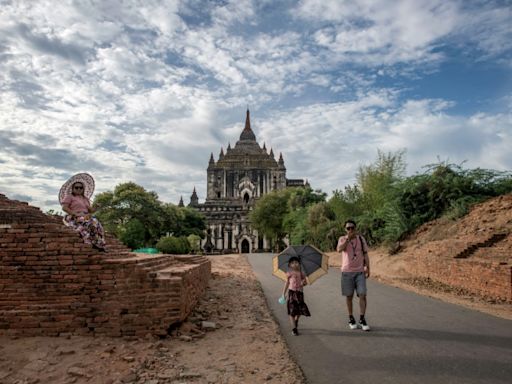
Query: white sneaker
[352,323]
[363,325]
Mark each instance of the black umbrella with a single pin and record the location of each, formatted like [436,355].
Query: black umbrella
[313,262]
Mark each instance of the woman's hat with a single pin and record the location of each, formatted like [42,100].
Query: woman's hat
[84,178]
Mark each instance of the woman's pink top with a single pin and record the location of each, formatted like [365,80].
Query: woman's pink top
[77,204]
[295,280]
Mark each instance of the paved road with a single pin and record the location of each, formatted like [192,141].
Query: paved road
[414,339]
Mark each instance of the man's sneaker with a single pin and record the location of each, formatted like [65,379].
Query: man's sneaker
[295,332]
[364,325]
[352,323]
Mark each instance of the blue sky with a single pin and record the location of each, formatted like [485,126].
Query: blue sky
[144,91]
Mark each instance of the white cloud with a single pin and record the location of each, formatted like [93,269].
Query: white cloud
[145,90]
[327,143]
[380,32]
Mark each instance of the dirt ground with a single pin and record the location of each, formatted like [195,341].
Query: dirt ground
[239,343]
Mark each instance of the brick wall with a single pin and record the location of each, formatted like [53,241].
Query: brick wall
[485,278]
[53,283]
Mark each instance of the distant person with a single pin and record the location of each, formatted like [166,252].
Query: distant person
[355,269]
[74,197]
[293,291]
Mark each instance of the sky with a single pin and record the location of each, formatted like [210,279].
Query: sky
[145,90]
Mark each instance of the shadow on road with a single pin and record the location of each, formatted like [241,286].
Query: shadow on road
[388,332]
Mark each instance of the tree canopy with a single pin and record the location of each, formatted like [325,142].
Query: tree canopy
[139,218]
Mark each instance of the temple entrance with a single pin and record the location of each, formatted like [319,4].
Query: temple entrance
[245,246]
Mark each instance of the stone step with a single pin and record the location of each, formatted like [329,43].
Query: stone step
[493,253]
[471,249]
[194,259]
[149,263]
[174,271]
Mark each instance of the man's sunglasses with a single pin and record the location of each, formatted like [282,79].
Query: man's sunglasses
[349,228]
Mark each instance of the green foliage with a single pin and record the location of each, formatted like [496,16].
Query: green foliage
[386,204]
[377,181]
[132,234]
[269,213]
[190,222]
[173,245]
[131,211]
[322,225]
[303,197]
[294,224]
[295,220]
[195,243]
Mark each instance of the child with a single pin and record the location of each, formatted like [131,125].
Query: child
[295,298]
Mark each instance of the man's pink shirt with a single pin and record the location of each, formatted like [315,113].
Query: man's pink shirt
[352,258]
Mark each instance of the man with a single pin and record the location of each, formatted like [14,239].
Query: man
[355,269]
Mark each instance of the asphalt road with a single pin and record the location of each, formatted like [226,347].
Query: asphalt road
[414,339]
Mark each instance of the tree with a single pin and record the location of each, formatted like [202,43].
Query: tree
[294,221]
[136,215]
[190,222]
[130,201]
[267,217]
[132,234]
[321,222]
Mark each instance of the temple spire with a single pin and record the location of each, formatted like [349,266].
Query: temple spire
[247,133]
[281,161]
[194,200]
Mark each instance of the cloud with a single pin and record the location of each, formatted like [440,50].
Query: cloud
[52,46]
[326,143]
[146,90]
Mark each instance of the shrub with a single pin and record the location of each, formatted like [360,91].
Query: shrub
[173,245]
[194,242]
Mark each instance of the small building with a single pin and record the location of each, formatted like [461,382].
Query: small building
[235,182]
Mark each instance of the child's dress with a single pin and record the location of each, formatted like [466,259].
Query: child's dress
[295,303]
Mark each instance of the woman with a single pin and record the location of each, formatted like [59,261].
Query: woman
[74,197]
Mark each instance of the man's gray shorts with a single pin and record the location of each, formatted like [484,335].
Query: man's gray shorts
[351,281]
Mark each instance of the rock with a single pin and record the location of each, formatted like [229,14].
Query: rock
[269,377]
[129,359]
[132,377]
[185,338]
[190,375]
[167,374]
[65,351]
[198,336]
[36,365]
[78,372]
[208,325]
[111,349]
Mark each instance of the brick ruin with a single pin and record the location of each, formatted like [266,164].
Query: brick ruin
[52,283]
[481,267]
[476,255]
